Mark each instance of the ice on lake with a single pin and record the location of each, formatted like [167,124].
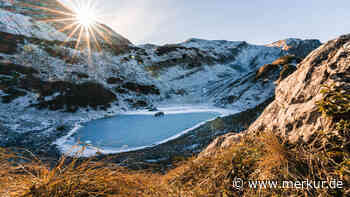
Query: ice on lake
[132,131]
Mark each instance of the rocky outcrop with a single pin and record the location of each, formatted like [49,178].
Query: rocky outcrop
[72,96]
[114,80]
[295,112]
[297,47]
[8,43]
[140,88]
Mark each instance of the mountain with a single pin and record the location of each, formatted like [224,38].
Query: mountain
[49,17]
[47,83]
[298,47]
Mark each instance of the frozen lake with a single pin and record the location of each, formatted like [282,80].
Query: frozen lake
[132,131]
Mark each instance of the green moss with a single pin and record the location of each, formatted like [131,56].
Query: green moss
[335,103]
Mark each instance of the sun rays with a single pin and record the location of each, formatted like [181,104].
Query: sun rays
[81,21]
[86,16]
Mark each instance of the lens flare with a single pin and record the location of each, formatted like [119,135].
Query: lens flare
[85,17]
[81,22]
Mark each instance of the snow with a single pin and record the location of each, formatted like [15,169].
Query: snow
[182,109]
[19,24]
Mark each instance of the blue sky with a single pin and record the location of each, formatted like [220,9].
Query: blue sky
[255,21]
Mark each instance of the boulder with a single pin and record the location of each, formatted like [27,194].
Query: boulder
[159,114]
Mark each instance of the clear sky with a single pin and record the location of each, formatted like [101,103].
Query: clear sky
[255,21]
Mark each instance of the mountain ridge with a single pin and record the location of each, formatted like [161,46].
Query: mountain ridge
[136,77]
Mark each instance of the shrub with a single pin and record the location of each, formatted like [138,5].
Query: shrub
[140,88]
[167,49]
[282,65]
[265,71]
[287,59]
[72,96]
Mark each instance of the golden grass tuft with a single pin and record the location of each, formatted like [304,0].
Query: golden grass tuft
[71,177]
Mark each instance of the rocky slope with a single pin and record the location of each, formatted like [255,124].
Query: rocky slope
[44,79]
[298,47]
[295,113]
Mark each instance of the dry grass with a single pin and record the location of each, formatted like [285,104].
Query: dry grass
[287,59]
[275,157]
[71,178]
[261,157]
[283,63]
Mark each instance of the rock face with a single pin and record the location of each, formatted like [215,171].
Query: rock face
[295,113]
[298,47]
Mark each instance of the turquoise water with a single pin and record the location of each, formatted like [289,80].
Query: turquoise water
[134,131]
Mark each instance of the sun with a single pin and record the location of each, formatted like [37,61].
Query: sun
[82,23]
[85,14]
[86,17]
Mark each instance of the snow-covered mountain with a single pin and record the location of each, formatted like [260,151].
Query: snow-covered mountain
[41,16]
[45,83]
[295,46]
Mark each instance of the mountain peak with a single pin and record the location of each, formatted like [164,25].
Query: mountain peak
[39,14]
[295,46]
